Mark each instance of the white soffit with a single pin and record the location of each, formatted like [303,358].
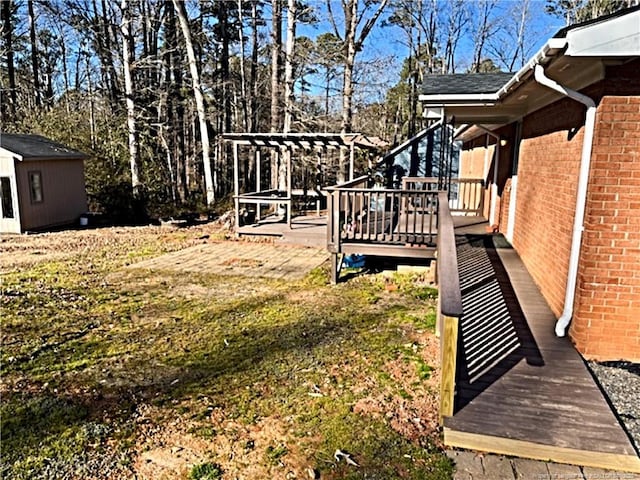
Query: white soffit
[616,37]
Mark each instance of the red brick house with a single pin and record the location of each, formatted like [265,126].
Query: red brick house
[559,146]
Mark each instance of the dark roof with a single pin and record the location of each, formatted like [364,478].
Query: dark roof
[34,147]
[464,83]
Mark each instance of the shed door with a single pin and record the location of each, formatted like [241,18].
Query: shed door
[9,215]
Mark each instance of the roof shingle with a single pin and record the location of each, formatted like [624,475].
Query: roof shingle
[464,83]
[33,147]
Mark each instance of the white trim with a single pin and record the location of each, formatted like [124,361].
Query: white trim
[512,208]
[485,99]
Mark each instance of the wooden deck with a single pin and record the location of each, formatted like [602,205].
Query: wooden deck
[305,230]
[521,390]
[311,230]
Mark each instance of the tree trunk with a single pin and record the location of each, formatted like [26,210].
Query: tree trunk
[34,52]
[9,108]
[253,72]
[197,92]
[351,23]
[127,59]
[223,20]
[243,77]
[276,49]
[353,43]
[276,52]
[288,66]
[111,75]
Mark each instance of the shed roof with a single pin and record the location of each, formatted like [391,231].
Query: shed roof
[36,147]
[465,83]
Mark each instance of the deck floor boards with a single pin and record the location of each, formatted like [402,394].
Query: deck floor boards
[534,387]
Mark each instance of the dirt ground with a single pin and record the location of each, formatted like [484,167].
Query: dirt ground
[116,372]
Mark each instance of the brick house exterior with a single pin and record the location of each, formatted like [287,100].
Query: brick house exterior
[539,152]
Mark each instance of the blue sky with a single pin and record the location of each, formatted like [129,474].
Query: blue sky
[387,41]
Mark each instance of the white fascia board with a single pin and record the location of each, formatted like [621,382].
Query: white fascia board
[616,37]
[8,153]
[444,99]
[546,52]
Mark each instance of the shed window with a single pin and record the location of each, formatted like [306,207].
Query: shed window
[7,200]
[35,187]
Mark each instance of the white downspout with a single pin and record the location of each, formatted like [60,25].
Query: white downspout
[581,198]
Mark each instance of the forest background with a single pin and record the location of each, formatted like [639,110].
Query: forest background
[146,87]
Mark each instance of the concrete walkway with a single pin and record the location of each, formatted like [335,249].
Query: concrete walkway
[474,466]
[241,258]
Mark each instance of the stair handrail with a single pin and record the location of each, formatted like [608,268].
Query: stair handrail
[449,305]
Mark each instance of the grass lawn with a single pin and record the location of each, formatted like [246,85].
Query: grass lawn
[114,372]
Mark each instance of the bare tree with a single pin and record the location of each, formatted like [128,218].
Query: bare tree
[8,107]
[456,24]
[127,60]
[510,45]
[288,65]
[34,52]
[353,42]
[243,77]
[276,53]
[197,93]
[483,27]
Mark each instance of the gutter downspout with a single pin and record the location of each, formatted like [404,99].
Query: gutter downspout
[581,198]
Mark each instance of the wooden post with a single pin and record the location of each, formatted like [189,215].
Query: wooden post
[352,159]
[258,161]
[236,183]
[289,186]
[449,349]
[449,305]
[335,268]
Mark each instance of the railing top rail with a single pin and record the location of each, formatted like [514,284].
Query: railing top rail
[387,190]
[420,179]
[448,279]
[349,184]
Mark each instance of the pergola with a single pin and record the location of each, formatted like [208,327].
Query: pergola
[283,145]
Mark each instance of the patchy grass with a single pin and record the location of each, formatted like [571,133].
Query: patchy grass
[110,372]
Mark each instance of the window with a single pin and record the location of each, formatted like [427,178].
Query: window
[35,187]
[7,199]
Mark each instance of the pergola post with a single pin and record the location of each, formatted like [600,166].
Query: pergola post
[258,161]
[236,183]
[352,159]
[289,186]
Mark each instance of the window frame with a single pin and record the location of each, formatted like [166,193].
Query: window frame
[32,192]
[8,182]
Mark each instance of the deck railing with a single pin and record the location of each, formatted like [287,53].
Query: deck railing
[377,215]
[379,221]
[449,306]
[466,195]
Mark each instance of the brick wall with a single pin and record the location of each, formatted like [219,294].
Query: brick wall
[548,167]
[606,322]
